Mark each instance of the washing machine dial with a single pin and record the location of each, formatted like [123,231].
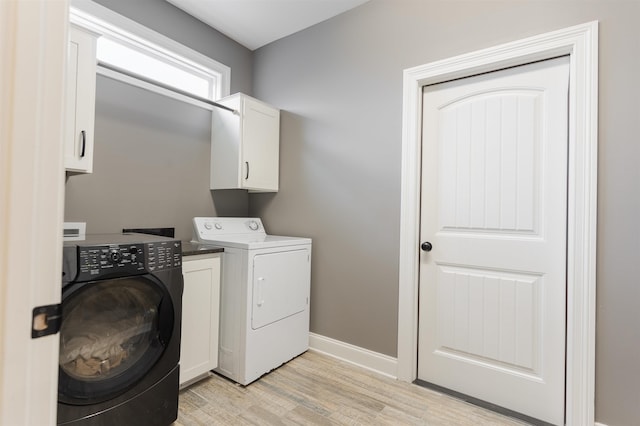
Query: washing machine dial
[218,226]
[115,256]
[208,226]
[253,225]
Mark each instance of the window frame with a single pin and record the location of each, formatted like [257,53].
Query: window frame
[133,35]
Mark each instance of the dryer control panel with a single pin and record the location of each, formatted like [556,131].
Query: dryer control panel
[206,229]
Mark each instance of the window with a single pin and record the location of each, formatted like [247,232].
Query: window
[114,53]
[138,51]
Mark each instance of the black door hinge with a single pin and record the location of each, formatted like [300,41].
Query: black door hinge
[46,320]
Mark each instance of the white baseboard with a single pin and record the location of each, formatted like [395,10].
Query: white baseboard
[599,424]
[361,357]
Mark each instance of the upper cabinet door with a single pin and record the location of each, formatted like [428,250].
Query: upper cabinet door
[81,99]
[260,150]
[245,147]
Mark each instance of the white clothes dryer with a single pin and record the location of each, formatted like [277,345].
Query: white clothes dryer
[264,301]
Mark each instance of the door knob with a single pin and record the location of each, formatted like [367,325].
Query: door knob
[426,246]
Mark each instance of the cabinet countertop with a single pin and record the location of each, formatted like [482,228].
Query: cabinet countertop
[193,249]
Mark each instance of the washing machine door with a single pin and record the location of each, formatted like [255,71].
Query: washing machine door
[113,332]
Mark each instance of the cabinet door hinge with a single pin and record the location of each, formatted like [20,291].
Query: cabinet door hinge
[46,320]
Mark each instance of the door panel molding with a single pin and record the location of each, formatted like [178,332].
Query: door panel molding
[33,50]
[581,44]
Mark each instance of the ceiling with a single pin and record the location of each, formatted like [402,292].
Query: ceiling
[254,23]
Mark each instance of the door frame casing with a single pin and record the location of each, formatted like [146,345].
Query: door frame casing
[580,42]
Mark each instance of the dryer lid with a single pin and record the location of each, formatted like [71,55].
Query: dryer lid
[250,243]
[239,232]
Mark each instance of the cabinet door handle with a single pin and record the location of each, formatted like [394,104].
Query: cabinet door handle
[83,136]
[247,164]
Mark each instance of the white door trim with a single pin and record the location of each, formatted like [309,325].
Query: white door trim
[33,52]
[581,43]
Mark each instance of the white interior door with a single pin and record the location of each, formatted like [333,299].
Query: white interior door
[494,208]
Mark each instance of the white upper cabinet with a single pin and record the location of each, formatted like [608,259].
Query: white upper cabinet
[81,99]
[245,146]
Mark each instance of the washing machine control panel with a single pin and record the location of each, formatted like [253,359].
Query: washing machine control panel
[163,255]
[103,261]
[97,261]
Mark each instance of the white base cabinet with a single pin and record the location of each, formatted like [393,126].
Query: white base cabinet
[245,147]
[200,317]
[81,100]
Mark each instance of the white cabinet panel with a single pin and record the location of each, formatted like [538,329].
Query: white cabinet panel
[245,146]
[200,316]
[81,99]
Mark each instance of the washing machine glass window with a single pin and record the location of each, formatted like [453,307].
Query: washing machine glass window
[112,334]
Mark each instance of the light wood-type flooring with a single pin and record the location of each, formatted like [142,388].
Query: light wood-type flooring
[315,389]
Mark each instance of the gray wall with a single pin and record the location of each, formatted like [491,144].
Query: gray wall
[340,86]
[165,18]
[152,153]
[151,165]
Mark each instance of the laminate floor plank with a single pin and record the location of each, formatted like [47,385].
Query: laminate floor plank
[316,389]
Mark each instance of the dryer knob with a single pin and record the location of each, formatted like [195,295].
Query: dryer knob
[253,225]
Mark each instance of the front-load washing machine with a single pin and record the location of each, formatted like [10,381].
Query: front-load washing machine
[264,301]
[120,333]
